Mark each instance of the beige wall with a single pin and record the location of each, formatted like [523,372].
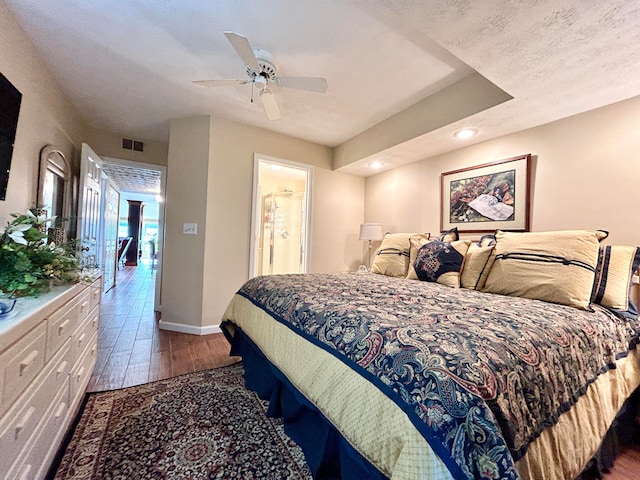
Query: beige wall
[210,178]
[186,202]
[336,212]
[109,144]
[46,116]
[586,175]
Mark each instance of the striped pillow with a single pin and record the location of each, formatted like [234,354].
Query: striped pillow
[478,262]
[392,258]
[450,235]
[612,285]
[557,267]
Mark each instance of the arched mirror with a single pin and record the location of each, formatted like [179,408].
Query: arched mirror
[54,186]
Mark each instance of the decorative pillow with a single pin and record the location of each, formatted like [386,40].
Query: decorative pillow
[392,258]
[441,262]
[557,267]
[614,273]
[415,242]
[449,235]
[478,262]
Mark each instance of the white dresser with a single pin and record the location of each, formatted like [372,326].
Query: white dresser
[47,353]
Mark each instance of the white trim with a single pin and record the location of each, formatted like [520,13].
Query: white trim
[193,330]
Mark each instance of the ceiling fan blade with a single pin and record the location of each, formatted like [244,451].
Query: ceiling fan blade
[269,104]
[241,44]
[312,84]
[221,82]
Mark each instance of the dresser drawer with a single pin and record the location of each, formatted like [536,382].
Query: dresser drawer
[84,331]
[81,371]
[21,362]
[63,321]
[95,293]
[34,460]
[22,420]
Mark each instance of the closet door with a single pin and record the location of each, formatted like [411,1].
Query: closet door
[89,208]
[111,197]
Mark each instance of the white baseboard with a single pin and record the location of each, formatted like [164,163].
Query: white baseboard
[193,330]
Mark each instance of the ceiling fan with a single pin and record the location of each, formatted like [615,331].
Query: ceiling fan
[262,72]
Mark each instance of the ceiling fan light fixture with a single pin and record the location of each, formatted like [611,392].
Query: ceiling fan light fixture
[465,133]
[260,82]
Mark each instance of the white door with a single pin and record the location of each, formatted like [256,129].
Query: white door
[111,198]
[89,208]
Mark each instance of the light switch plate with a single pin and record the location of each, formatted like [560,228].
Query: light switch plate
[190,228]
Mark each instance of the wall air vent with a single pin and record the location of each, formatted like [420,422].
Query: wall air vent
[132,145]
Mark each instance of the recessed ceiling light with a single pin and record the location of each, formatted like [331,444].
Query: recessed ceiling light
[376,164]
[465,133]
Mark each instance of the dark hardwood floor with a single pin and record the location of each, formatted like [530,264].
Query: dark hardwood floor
[132,350]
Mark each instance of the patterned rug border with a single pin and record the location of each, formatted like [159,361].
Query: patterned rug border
[122,413]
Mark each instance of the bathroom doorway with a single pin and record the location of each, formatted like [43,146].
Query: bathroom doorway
[280,217]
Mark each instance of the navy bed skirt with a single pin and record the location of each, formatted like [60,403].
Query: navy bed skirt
[328,454]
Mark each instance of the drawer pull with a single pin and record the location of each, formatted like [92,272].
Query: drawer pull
[83,306]
[81,339]
[62,326]
[61,368]
[25,419]
[80,373]
[29,359]
[26,470]
[61,408]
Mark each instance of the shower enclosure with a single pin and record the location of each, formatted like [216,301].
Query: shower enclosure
[282,233]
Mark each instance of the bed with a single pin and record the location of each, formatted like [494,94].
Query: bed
[380,376]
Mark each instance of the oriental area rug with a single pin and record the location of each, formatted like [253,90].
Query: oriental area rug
[203,425]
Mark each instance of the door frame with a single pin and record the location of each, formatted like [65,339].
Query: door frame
[157,303]
[256,210]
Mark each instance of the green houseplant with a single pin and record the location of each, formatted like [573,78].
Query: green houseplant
[28,264]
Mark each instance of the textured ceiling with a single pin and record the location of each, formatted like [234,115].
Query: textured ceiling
[133,179]
[128,67]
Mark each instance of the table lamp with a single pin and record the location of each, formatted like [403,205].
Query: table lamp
[370,232]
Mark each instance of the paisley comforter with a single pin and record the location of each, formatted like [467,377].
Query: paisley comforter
[480,376]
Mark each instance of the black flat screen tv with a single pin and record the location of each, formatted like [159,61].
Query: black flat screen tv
[10,99]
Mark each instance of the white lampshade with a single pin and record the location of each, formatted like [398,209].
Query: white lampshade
[371,231]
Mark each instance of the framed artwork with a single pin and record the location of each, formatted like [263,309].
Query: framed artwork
[487,197]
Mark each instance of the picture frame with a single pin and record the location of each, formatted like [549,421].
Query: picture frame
[487,197]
